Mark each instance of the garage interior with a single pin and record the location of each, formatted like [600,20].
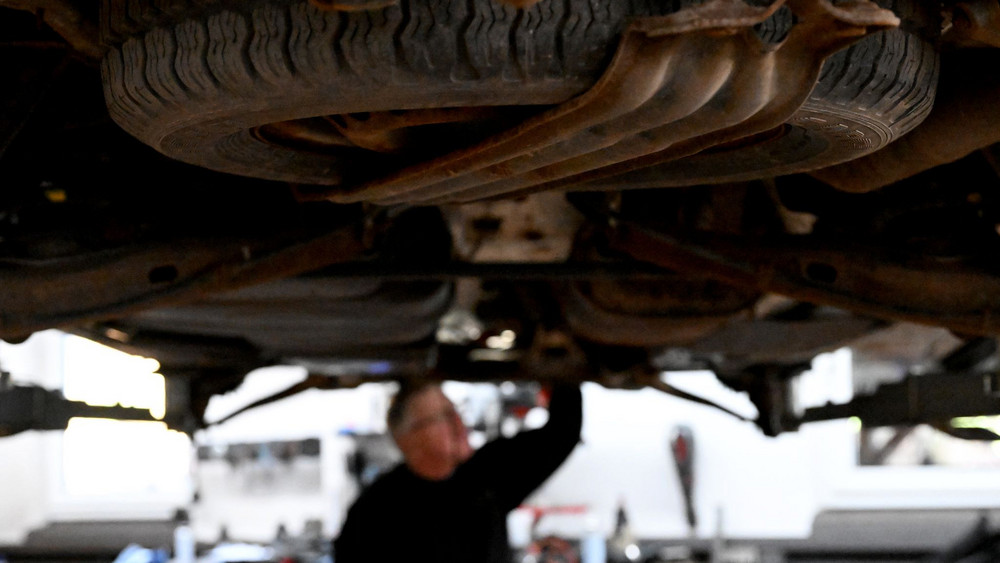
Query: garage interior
[273,483]
[761,235]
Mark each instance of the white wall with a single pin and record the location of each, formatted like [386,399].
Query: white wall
[253,513]
[37,484]
[28,461]
[764,487]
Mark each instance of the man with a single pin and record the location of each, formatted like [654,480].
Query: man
[446,503]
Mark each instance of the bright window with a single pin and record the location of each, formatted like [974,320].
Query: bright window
[110,458]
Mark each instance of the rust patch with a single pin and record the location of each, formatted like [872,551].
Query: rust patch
[678,84]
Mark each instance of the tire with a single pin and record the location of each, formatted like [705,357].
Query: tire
[866,97]
[195,79]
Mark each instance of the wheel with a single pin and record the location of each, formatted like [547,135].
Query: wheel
[279,89]
[867,96]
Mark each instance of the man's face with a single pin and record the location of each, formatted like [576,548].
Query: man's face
[433,438]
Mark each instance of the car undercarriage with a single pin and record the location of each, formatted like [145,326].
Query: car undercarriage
[494,190]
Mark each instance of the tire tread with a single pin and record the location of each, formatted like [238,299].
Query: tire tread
[171,61]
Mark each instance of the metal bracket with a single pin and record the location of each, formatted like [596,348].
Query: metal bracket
[40,294]
[678,84]
[919,399]
[862,279]
[68,21]
[24,407]
[976,23]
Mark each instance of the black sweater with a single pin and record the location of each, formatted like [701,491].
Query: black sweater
[463,519]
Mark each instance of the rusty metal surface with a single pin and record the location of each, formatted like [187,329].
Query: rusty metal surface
[539,228]
[41,294]
[597,324]
[678,84]
[305,133]
[975,23]
[310,315]
[67,20]
[387,132]
[759,341]
[965,118]
[867,281]
[672,312]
